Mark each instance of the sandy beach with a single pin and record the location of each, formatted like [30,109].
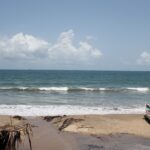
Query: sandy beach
[109,124]
[86,132]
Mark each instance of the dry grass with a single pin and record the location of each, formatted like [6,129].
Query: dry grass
[13,135]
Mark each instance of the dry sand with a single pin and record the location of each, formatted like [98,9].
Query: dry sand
[111,124]
[89,132]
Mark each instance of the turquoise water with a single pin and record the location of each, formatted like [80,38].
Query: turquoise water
[73,92]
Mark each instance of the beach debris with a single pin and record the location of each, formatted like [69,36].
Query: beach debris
[68,122]
[13,135]
[50,118]
[19,117]
[55,119]
[61,121]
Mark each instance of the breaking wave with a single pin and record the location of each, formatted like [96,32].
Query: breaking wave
[76,89]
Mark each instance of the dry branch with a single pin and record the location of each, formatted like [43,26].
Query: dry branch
[13,135]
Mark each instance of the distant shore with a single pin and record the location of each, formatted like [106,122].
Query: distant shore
[64,132]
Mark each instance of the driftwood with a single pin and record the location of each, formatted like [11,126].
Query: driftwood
[13,135]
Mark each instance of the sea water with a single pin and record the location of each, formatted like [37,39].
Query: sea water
[49,92]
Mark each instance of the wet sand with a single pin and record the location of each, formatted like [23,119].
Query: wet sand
[90,132]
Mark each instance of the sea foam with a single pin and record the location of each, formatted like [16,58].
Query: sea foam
[42,110]
[139,89]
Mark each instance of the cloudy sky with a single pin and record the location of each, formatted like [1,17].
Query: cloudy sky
[75,34]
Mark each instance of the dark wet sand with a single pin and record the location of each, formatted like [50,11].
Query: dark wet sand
[110,142]
[47,137]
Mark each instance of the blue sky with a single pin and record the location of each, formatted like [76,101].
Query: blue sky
[75,34]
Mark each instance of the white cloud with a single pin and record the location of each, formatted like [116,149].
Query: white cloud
[65,50]
[22,46]
[144,58]
[27,47]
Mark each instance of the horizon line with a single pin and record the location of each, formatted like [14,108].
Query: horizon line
[74,70]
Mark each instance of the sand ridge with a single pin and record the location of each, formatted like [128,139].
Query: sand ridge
[108,124]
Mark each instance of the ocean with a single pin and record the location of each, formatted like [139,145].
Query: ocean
[49,92]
